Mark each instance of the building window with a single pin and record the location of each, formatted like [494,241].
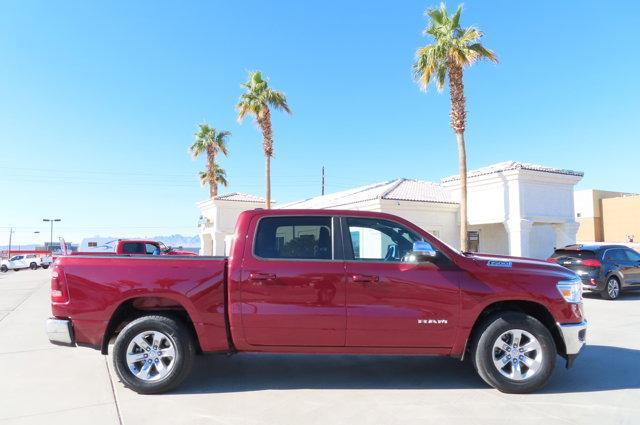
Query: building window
[473,241]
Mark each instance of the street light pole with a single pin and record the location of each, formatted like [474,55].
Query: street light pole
[51,220]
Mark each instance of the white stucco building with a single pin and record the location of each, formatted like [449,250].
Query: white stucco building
[514,208]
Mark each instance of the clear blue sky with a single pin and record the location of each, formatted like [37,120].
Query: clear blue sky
[99,102]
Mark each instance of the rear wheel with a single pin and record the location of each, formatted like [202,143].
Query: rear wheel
[611,289]
[45,266]
[514,353]
[153,354]
[33,266]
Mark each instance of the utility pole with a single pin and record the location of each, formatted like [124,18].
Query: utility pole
[323,180]
[51,220]
[10,234]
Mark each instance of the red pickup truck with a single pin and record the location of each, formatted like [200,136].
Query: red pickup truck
[321,281]
[133,247]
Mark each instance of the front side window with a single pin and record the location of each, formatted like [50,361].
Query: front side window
[152,249]
[380,240]
[294,238]
[16,258]
[632,255]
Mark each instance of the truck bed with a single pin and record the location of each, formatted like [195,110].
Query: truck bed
[101,285]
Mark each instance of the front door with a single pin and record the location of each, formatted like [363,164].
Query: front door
[293,283]
[392,302]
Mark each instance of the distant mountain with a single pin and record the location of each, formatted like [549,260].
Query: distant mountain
[25,247]
[179,240]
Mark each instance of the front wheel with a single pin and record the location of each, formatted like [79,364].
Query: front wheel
[45,266]
[612,289]
[514,353]
[153,354]
[4,269]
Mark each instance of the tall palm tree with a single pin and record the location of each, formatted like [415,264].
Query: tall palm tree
[211,141]
[257,101]
[453,48]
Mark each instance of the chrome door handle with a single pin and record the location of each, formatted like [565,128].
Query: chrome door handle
[262,276]
[364,278]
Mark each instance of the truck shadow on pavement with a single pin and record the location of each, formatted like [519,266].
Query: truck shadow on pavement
[599,368]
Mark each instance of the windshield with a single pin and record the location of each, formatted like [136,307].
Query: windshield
[164,248]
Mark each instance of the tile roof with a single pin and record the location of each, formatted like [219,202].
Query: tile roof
[398,189]
[514,165]
[241,197]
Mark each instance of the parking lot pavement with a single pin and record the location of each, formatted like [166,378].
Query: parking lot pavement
[43,383]
[40,382]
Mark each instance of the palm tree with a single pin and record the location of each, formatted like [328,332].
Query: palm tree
[453,49]
[214,176]
[211,141]
[257,101]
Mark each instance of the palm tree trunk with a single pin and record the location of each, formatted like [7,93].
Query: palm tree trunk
[211,161]
[458,123]
[267,175]
[462,165]
[267,145]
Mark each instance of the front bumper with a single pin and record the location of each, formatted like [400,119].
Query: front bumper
[575,337]
[60,331]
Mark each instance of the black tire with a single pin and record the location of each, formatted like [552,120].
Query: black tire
[184,353]
[612,289]
[4,269]
[45,266]
[482,352]
[33,266]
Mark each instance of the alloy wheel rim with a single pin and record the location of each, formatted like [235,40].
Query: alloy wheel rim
[151,355]
[612,288]
[517,355]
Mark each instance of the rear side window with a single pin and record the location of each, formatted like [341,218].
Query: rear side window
[574,253]
[133,248]
[304,238]
[615,255]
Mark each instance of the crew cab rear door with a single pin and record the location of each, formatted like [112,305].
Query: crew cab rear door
[393,303]
[293,283]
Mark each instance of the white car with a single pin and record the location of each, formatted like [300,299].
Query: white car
[24,261]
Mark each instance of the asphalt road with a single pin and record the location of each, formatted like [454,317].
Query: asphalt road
[42,383]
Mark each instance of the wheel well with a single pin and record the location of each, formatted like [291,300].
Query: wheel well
[135,308]
[530,308]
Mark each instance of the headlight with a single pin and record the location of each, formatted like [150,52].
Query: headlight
[571,290]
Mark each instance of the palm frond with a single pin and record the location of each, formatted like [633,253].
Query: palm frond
[455,19]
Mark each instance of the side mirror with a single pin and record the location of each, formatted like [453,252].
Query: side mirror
[423,251]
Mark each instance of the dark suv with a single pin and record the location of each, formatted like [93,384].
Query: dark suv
[606,269]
